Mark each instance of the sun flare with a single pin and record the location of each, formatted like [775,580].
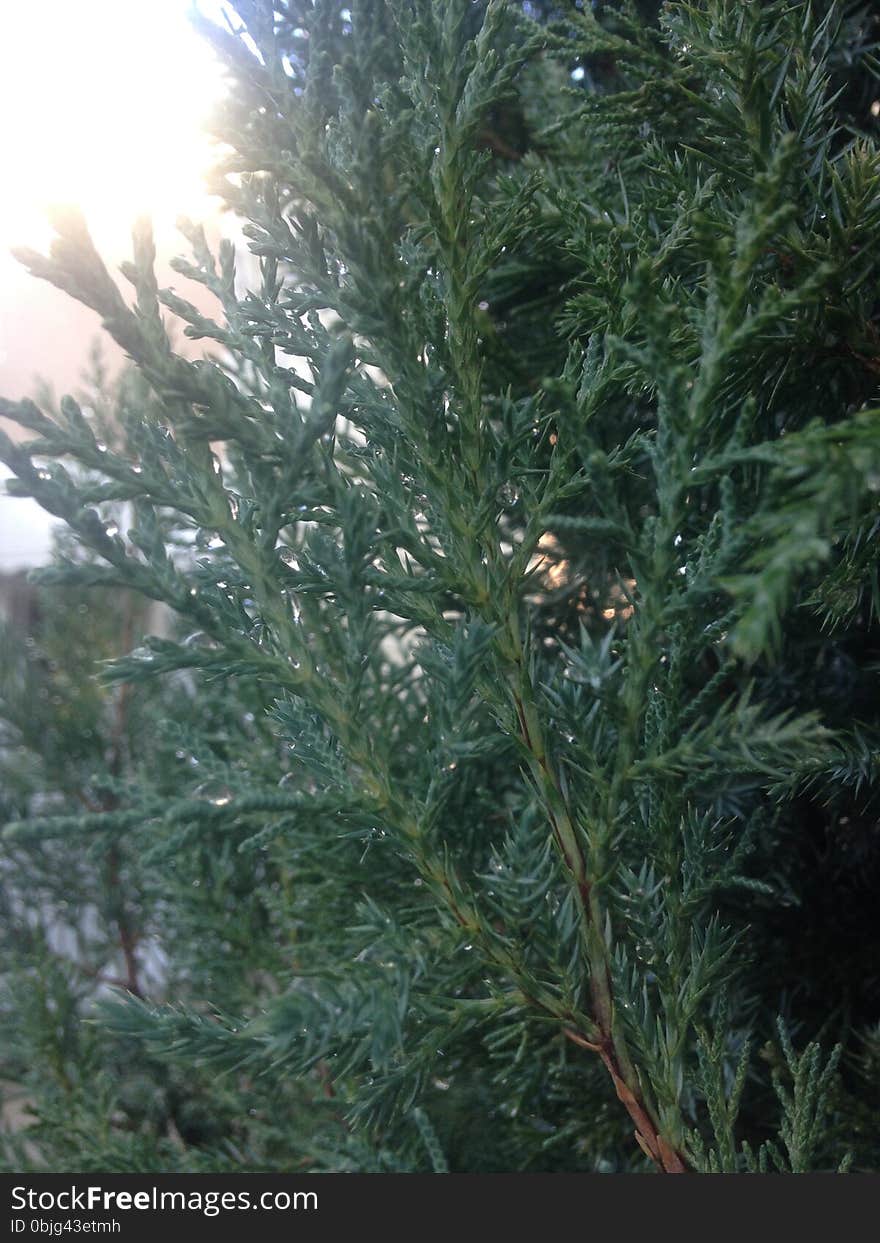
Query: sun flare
[103,105]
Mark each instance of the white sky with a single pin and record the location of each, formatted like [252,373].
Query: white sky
[25,530]
[103,104]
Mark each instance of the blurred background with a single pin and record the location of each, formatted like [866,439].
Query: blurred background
[105,106]
[85,124]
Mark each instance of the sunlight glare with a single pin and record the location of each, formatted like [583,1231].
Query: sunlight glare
[103,104]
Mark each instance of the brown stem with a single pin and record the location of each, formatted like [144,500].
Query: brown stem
[128,937]
[647,1134]
[609,1045]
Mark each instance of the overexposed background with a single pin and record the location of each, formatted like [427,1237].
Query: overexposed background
[104,105]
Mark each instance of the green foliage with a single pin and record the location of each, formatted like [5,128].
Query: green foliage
[521,537]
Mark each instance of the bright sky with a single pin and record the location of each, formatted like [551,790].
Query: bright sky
[102,104]
[25,530]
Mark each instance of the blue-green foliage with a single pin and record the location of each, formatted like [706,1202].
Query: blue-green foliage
[520,529]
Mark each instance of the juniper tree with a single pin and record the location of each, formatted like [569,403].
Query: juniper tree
[529,501]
